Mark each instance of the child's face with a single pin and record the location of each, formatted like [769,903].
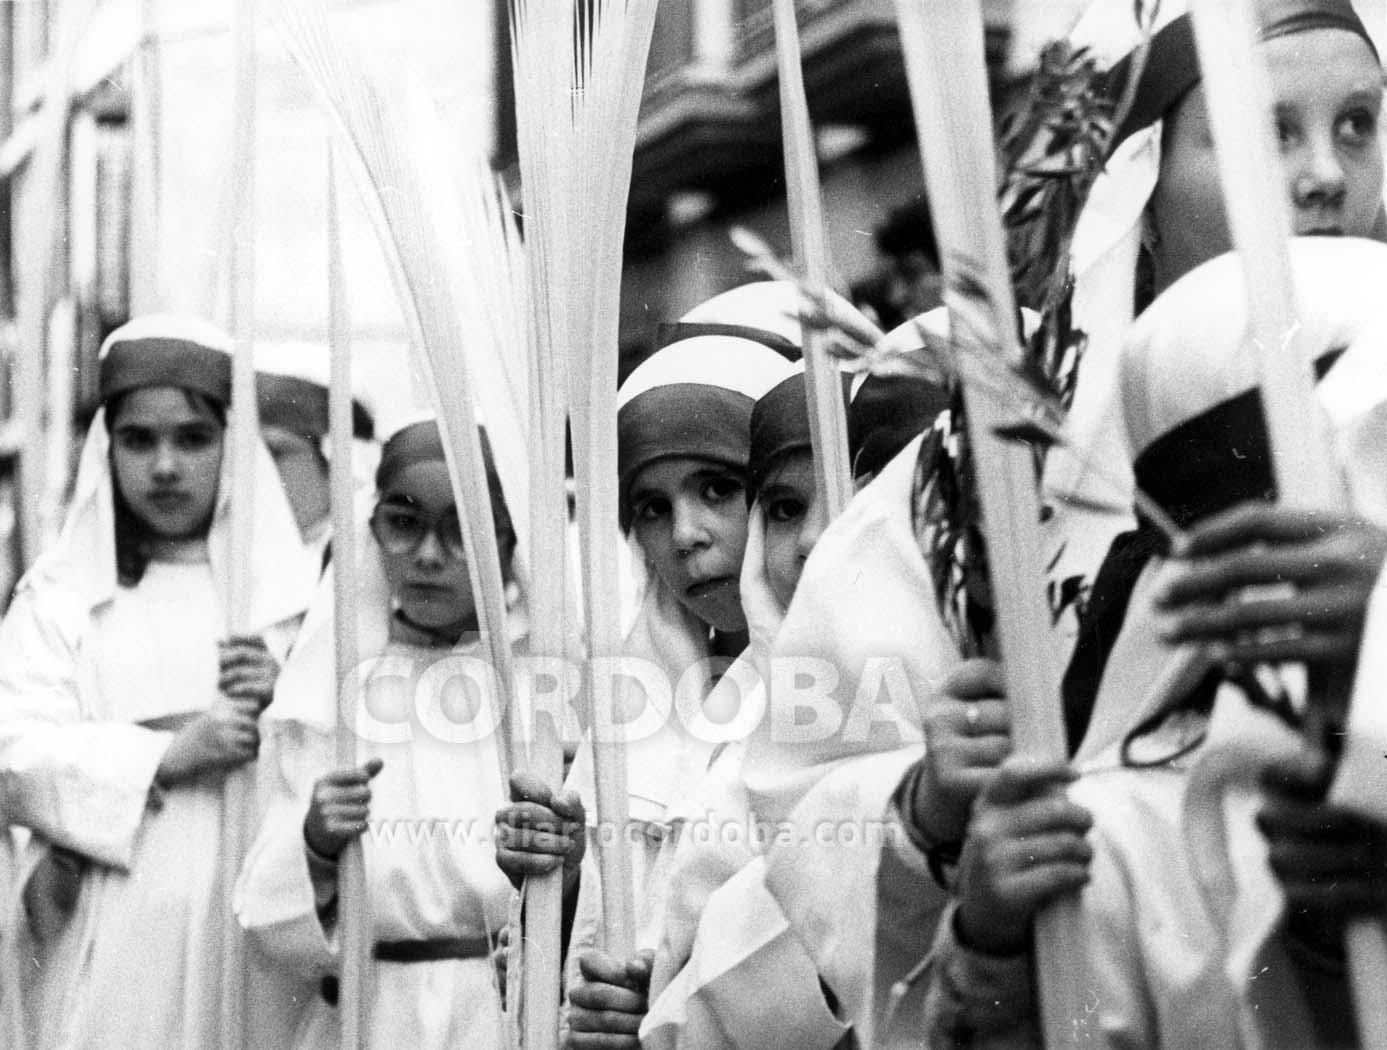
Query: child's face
[690,518]
[304,472]
[416,524]
[1327,89]
[795,520]
[166,456]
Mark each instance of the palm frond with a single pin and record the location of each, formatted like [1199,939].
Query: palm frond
[828,424]
[353,911]
[579,73]
[454,268]
[1053,149]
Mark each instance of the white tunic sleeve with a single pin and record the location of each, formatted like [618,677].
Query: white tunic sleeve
[856,890]
[80,783]
[275,900]
[749,980]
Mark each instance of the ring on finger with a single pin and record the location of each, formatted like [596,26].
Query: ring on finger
[971,716]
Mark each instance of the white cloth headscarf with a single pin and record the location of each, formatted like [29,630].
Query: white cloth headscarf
[663,631]
[305,691]
[311,363]
[693,397]
[1103,262]
[1187,354]
[84,557]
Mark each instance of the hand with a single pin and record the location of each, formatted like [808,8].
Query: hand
[608,1003]
[223,737]
[540,830]
[1323,567]
[338,810]
[247,670]
[764,613]
[1332,865]
[1025,847]
[500,961]
[967,735]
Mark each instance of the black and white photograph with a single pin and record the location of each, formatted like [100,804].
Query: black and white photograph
[693,525]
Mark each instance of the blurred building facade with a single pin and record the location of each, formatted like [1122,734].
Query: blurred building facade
[115,182]
[115,195]
[708,153]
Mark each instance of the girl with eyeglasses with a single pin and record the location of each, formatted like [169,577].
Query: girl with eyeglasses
[423,795]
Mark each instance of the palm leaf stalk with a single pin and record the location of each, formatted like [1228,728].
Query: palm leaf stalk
[580,70]
[1239,98]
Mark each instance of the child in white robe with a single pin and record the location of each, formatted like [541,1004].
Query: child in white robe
[850,872]
[291,393]
[1170,191]
[121,712]
[1185,933]
[729,970]
[428,781]
[683,419]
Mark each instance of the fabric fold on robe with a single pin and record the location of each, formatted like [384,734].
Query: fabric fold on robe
[692,398]
[748,972]
[1179,863]
[727,956]
[430,865]
[865,620]
[84,660]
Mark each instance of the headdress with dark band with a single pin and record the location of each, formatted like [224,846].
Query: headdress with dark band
[1194,414]
[1172,64]
[779,426]
[676,331]
[421,441]
[291,390]
[302,406]
[161,350]
[694,396]
[888,413]
[1093,467]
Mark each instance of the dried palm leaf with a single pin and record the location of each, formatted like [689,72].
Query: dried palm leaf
[443,243]
[828,424]
[353,906]
[1239,98]
[244,440]
[946,69]
[579,73]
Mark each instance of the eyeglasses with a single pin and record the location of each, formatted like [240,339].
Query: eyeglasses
[400,529]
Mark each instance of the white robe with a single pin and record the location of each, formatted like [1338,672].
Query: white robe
[702,904]
[430,870]
[1181,919]
[1150,949]
[1156,966]
[725,936]
[138,962]
[662,760]
[858,895]
[722,931]
[1175,932]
